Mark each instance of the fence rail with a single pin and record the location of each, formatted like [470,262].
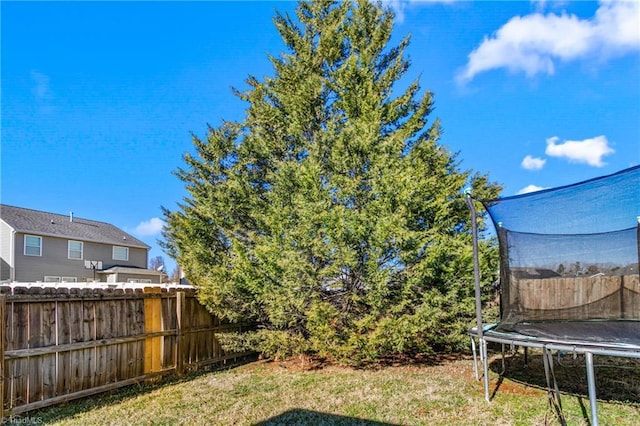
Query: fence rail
[59,344]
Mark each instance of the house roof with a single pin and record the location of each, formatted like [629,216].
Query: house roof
[57,225]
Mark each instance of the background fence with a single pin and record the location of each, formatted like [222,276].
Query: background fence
[561,298]
[64,343]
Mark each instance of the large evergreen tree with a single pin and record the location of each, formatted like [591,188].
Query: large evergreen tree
[331,215]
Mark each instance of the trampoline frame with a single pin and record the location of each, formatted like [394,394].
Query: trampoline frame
[547,346]
[482,334]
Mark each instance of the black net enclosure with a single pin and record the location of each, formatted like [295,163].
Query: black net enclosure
[570,260]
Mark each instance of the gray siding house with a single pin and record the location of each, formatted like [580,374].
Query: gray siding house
[37,246]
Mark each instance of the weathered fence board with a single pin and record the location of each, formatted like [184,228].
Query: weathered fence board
[631,302]
[61,344]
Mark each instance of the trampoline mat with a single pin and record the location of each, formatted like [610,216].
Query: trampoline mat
[597,333]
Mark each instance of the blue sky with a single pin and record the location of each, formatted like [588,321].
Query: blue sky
[99,99]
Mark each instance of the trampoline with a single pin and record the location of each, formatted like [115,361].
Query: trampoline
[569,274]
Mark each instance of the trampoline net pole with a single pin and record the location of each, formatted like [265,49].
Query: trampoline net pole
[478,294]
[476,265]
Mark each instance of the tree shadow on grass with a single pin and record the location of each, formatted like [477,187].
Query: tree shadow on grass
[315,418]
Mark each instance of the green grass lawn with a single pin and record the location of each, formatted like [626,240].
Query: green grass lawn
[289,393]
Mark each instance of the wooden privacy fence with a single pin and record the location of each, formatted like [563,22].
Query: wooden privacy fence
[613,296]
[64,343]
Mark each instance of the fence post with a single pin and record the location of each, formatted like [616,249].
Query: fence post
[180,306]
[152,323]
[3,310]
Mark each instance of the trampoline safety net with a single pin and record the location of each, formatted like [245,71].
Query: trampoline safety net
[570,256]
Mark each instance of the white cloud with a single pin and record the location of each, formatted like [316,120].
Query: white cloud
[399,6]
[42,93]
[539,4]
[588,151]
[532,163]
[41,89]
[534,43]
[151,227]
[530,188]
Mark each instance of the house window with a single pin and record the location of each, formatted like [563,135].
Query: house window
[75,250]
[32,245]
[139,281]
[54,279]
[120,253]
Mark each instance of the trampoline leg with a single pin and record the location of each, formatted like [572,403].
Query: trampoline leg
[591,383]
[553,393]
[475,358]
[486,370]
